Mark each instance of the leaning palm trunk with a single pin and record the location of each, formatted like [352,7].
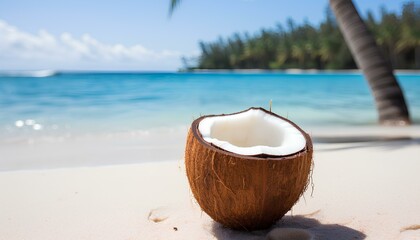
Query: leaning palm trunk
[378,71]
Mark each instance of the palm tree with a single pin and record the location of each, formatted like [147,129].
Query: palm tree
[388,96]
[410,32]
[387,93]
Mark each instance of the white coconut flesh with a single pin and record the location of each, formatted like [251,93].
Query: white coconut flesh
[252,132]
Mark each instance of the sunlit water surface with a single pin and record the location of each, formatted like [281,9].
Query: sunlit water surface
[88,103]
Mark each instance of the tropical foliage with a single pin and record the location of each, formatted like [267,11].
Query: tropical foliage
[307,46]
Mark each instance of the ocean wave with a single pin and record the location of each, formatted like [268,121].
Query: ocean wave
[36,74]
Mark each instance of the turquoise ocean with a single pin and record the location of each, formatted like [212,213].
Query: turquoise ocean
[92,102]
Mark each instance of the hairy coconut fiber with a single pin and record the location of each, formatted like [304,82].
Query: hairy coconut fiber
[245,192]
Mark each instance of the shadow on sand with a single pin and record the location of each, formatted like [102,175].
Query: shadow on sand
[366,142]
[301,224]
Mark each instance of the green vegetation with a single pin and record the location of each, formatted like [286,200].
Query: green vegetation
[321,47]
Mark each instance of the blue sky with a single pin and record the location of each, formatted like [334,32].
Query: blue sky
[137,35]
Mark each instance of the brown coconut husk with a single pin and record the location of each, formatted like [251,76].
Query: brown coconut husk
[245,192]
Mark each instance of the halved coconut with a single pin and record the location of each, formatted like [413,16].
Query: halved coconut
[247,169]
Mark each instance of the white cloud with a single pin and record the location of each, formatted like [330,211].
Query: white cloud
[22,50]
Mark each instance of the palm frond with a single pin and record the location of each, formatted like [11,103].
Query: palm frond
[173,4]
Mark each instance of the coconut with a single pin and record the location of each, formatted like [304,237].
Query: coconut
[247,169]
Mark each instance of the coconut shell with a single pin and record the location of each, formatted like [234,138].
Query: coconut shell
[245,192]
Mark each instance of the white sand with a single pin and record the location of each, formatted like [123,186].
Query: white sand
[362,190]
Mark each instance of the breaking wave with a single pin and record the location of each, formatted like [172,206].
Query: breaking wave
[38,73]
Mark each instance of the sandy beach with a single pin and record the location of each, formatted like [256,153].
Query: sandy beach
[365,185]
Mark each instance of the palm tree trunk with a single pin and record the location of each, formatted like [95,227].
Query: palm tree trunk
[387,93]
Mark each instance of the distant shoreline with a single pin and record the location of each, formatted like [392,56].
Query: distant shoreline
[292,70]
[49,72]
